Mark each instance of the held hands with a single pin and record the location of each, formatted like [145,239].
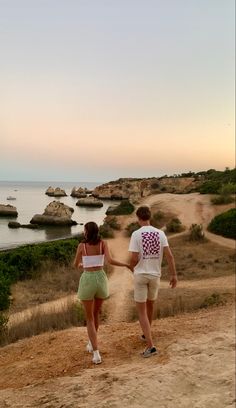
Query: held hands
[173,281]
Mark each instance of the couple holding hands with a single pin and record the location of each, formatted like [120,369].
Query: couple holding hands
[147,247]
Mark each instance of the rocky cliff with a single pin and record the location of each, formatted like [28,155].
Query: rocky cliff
[125,188]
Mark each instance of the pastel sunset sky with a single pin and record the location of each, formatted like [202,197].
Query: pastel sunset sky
[94,90]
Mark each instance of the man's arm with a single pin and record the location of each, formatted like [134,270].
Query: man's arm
[171,263]
[133,260]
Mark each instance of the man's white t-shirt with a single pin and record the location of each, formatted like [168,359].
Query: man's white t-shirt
[149,242]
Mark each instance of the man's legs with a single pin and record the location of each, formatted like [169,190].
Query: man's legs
[144,322]
[150,306]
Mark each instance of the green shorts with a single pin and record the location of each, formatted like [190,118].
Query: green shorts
[93,285]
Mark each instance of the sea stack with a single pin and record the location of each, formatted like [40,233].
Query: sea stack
[8,210]
[55,213]
[55,192]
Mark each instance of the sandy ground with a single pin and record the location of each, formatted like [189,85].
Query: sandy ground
[195,366]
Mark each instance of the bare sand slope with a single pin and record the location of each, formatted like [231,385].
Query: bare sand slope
[192,208]
[195,367]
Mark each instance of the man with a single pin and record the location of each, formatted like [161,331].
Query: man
[147,247]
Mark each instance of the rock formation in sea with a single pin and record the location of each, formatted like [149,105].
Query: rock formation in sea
[55,213]
[14,224]
[78,192]
[89,202]
[8,210]
[55,192]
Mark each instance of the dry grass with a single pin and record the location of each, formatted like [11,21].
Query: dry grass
[52,282]
[171,303]
[200,260]
[37,321]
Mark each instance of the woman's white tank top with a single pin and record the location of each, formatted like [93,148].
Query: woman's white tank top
[91,261]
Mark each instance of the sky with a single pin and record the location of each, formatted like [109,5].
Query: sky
[94,90]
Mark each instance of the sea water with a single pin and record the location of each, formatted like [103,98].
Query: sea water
[31,199]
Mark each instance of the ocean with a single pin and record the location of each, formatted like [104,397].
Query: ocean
[31,199]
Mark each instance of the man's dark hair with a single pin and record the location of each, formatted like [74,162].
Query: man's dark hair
[144,213]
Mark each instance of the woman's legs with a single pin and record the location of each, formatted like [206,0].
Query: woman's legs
[92,309]
[91,329]
[96,309]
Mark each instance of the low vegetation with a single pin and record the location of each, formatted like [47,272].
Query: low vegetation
[70,314]
[196,233]
[225,195]
[106,231]
[216,180]
[158,219]
[133,226]
[215,299]
[25,262]
[224,224]
[174,225]
[124,208]
[184,301]
[113,223]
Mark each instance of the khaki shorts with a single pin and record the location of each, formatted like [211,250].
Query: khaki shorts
[145,287]
[93,285]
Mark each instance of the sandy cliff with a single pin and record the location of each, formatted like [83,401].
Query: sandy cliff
[138,188]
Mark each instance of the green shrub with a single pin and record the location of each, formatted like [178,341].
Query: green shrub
[106,231]
[113,223]
[213,300]
[3,328]
[4,292]
[222,199]
[174,225]
[196,233]
[224,224]
[210,187]
[157,219]
[225,194]
[133,226]
[124,208]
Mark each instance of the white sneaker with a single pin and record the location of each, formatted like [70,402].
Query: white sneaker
[89,347]
[96,357]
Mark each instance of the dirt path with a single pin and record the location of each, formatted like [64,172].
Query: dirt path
[195,366]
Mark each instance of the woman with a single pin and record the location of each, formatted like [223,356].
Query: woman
[93,287]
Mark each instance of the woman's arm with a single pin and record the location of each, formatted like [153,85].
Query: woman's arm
[110,259]
[78,256]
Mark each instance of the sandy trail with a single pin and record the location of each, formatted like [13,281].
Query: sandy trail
[195,367]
